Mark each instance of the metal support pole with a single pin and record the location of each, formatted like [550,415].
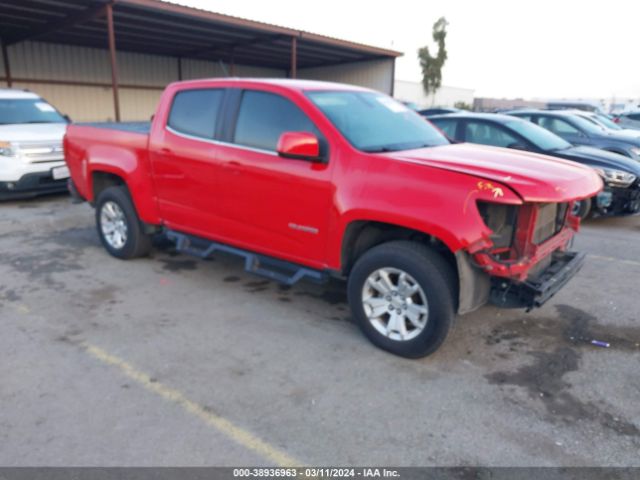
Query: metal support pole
[114,65]
[7,67]
[180,68]
[294,57]
[393,78]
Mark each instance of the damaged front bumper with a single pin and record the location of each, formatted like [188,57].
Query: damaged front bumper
[534,292]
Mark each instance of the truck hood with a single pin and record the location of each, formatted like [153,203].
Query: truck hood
[534,177]
[596,157]
[32,132]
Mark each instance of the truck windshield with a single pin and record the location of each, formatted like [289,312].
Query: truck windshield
[28,110]
[373,122]
[540,137]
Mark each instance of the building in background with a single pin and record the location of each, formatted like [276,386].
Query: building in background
[408,91]
[485,104]
[607,105]
[98,60]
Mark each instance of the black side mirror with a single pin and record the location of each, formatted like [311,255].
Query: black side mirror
[67,118]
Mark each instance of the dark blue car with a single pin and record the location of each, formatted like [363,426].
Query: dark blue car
[620,174]
[580,131]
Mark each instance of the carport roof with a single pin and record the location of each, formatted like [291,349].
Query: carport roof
[157,27]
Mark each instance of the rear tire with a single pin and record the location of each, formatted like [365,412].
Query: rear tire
[402,294]
[119,228]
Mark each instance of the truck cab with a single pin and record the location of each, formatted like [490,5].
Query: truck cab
[31,154]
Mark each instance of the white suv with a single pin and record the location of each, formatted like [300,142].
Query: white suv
[31,156]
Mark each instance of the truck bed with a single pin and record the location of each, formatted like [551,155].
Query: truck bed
[133,127]
[118,149]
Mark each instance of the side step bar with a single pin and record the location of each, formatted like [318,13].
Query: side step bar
[279,270]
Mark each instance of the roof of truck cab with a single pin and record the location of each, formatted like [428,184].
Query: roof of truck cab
[290,83]
[14,93]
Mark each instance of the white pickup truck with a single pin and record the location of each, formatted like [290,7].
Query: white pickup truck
[31,155]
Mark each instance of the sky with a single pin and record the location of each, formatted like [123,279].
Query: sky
[499,48]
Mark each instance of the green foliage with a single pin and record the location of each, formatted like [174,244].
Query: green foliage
[463,106]
[432,65]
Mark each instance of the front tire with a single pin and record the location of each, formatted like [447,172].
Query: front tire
[119,228]
[402,294]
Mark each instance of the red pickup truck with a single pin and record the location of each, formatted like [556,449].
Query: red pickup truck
[309,179]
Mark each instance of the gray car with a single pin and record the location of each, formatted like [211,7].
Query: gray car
[629,120]
[579,131]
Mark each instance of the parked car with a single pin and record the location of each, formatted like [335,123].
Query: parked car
[310,179]
[31,157]
[579,131]
[575,105]
[607,123]
[427,112]
[621,174]
[629,120]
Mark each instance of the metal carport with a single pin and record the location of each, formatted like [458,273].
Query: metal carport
[182,34]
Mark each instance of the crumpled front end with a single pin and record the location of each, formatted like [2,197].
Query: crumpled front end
[527,253]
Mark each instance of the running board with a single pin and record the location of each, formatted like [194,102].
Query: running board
[279,270]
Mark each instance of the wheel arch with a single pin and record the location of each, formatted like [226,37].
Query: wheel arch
[102,179]
[361,235]
[103,176]
[472,285]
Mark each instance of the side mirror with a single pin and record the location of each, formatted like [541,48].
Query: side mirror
[299,145]
[67,118]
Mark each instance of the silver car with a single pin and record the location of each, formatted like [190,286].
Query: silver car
[629,120]
[606,122]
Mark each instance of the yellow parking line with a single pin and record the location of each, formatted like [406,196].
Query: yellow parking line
[613,259]
[226,427]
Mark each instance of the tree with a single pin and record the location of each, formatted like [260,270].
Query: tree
[432,65]
[462,105]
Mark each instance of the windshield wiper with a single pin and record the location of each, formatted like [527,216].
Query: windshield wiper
[379,149]
[397,148]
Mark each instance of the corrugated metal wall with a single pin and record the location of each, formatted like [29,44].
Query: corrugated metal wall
[60,63]
[376,74]
[150,73]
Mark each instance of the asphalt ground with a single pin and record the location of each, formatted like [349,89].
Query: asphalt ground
[171,360]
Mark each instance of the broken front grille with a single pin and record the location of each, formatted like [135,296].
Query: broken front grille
[551,219]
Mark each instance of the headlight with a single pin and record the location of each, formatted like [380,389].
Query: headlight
[616,178]
[7,149]
[635,151]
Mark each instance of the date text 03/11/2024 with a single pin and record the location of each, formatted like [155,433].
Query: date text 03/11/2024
[315,472]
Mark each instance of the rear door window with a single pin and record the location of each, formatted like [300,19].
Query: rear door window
[558,126]
[488,134]
[195,112]
[264,116]
[448,126]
